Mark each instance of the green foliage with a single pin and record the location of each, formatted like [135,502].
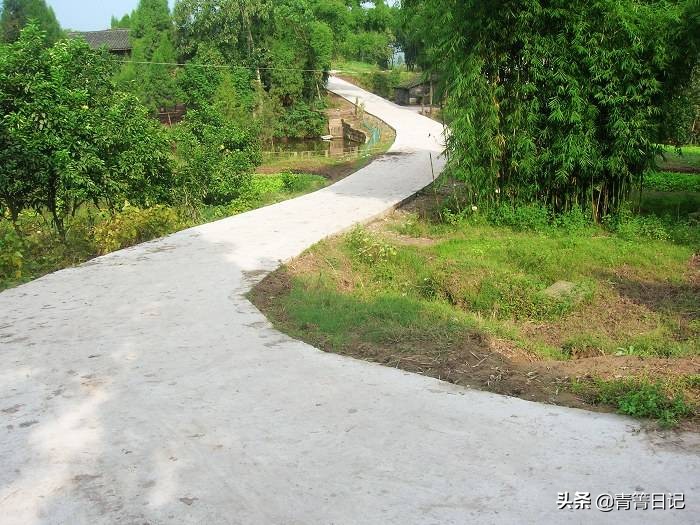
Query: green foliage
[18,13]
[152,38]
[683,158]
[35,249]
[527,217]
[301,121]
[638,398]
[11,253]
[133,225]
[68,137]
[368,248]
[279,56]
[369,46]
[234,98]
[669,181]
[384,82]
[557,102]
[199,83]
[215,158]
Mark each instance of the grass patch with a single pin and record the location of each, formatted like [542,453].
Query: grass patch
[670,181]
[686,159]
[640,398]
[515,301]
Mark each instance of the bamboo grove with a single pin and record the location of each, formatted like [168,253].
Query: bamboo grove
[556,101]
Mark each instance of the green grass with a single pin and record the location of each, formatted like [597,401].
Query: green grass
[371,77]
[437,289]
[353,67]
[494,279]
[670,181]
[640,397]
[673,160]
[38,250]
[678,206]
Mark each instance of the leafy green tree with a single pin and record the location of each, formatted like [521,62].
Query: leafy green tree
[121,23]
[233,27]
[17,13]
[556,101]
[215,158]
[282,43]
[337,16]
[150,16]
[149,74]
[73,138]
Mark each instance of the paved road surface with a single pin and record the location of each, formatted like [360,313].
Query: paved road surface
[143,387]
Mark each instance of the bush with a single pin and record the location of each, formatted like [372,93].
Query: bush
[368,248]
[11,253]
[133,226]
[630,226]
[216,158]
[638,398]
[534,217]
[384,82]
[301,121]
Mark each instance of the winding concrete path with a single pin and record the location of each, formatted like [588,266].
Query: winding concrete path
[143,387]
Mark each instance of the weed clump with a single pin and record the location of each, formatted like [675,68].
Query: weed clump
[638,397]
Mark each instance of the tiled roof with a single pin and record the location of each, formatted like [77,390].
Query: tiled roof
[113,39]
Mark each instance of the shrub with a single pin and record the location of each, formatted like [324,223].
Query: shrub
[533,217]
[133,225]
[630,226]
[11,253]
[383,82]
[301,121]
[368,248]
[215,157]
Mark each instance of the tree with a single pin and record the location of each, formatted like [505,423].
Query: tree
[17,13]
[148,75]
[73,138]
[121,23]
[233,27]
[215,158]
[556,101]
[281,43]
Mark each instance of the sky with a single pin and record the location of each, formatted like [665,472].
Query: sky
[90,15]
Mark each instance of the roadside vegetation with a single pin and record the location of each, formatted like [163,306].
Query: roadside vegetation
[373,78]
[557,259]
[85,166]
[515,300]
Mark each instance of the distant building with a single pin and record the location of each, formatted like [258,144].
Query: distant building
[116,41]
[417,91]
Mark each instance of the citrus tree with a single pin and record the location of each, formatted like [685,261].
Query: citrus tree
[68,138]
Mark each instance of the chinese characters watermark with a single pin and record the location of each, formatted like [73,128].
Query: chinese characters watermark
[608,502]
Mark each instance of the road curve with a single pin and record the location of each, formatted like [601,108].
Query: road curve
[142,387]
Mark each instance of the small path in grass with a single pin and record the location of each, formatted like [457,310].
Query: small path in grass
[144,387]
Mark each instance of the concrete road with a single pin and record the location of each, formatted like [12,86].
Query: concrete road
[143,387]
